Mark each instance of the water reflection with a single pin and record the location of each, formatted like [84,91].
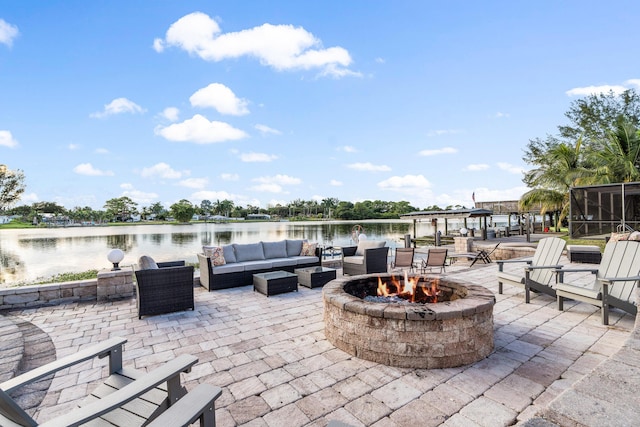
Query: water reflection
[34,253]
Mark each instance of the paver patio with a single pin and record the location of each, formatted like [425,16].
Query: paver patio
[276,368]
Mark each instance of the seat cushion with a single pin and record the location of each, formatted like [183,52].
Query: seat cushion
[283,262]
[356,259]
[257,265]
[228,268]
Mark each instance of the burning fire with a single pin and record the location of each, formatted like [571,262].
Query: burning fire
[408,289]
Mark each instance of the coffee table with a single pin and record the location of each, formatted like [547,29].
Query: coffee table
[315,277]
[275,282]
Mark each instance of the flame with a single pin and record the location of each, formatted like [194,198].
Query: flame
[408,289]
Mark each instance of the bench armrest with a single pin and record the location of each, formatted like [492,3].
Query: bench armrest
[198,404]
[111,347]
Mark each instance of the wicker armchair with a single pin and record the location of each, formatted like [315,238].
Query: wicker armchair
[372,260]
[165,289]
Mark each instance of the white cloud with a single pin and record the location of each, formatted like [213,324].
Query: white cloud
[73,147]
[633,82]
[200,130]
[278,179]
[511,168]
[500,115]
[380,60]
[170,113]
[595,90]
[405,184]
[29,198]
[8,33]
[266,130]
[477,167]
[138,196]
[438,151]
[347,149]
[281,47]
[7,140]
[369,167]
[214,195]
[335,183]
[221,98]
[161,170]
[439,132]
[102,151]
[118,106]
[257,157]
[229,176]
[268,188]
[87,169]
[197,183]
[485,194]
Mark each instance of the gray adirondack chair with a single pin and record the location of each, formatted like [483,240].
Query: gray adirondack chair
[614,283]
[539,273]
[126,398]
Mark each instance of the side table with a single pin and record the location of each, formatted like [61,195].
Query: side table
[315,277]
[275,282]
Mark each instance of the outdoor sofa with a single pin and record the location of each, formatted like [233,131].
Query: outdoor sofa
[235,264]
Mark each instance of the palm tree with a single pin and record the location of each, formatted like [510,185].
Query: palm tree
[560,167]
[618,160]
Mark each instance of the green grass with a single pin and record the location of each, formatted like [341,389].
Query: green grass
[60,278]
[16,224]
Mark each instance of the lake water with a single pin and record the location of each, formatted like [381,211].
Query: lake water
[30,254]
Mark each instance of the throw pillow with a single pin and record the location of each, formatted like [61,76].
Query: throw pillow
[216,254]
[147,263]
[308,249]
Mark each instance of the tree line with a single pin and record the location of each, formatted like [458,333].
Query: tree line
[124,209]
[600,145]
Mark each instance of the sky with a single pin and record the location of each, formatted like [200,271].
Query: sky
[430,102]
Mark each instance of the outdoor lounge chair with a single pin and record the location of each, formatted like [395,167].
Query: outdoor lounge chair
[403,259]
[164,289]
[615,280]
[126,398]
[539,271]
[482,255]
[436,258]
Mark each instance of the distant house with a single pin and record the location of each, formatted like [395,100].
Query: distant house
[5,219]
[258,216]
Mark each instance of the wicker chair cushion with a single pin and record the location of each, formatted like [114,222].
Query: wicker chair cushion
[368,244]
[275,249]
[308,249]
[147,263]
[294,247]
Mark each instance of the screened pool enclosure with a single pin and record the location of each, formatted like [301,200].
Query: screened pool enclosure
[597,210]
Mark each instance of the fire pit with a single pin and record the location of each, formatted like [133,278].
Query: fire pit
[453,327]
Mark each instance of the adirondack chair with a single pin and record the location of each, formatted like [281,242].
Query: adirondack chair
[436,258]
[539,271]
[615,280]
[127,397]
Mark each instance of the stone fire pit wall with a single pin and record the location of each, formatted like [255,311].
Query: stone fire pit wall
[427,336]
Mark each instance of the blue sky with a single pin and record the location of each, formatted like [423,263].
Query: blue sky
[268,102]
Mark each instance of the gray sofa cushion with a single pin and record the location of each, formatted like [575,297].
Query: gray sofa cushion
[294,247]
[257,265]
[248,252]
[229,254]
[275,249]
[228,268]
[283,262]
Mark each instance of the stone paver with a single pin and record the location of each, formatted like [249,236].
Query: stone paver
[275,366]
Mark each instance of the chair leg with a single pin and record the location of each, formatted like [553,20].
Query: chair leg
[500,288]
[560,300]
